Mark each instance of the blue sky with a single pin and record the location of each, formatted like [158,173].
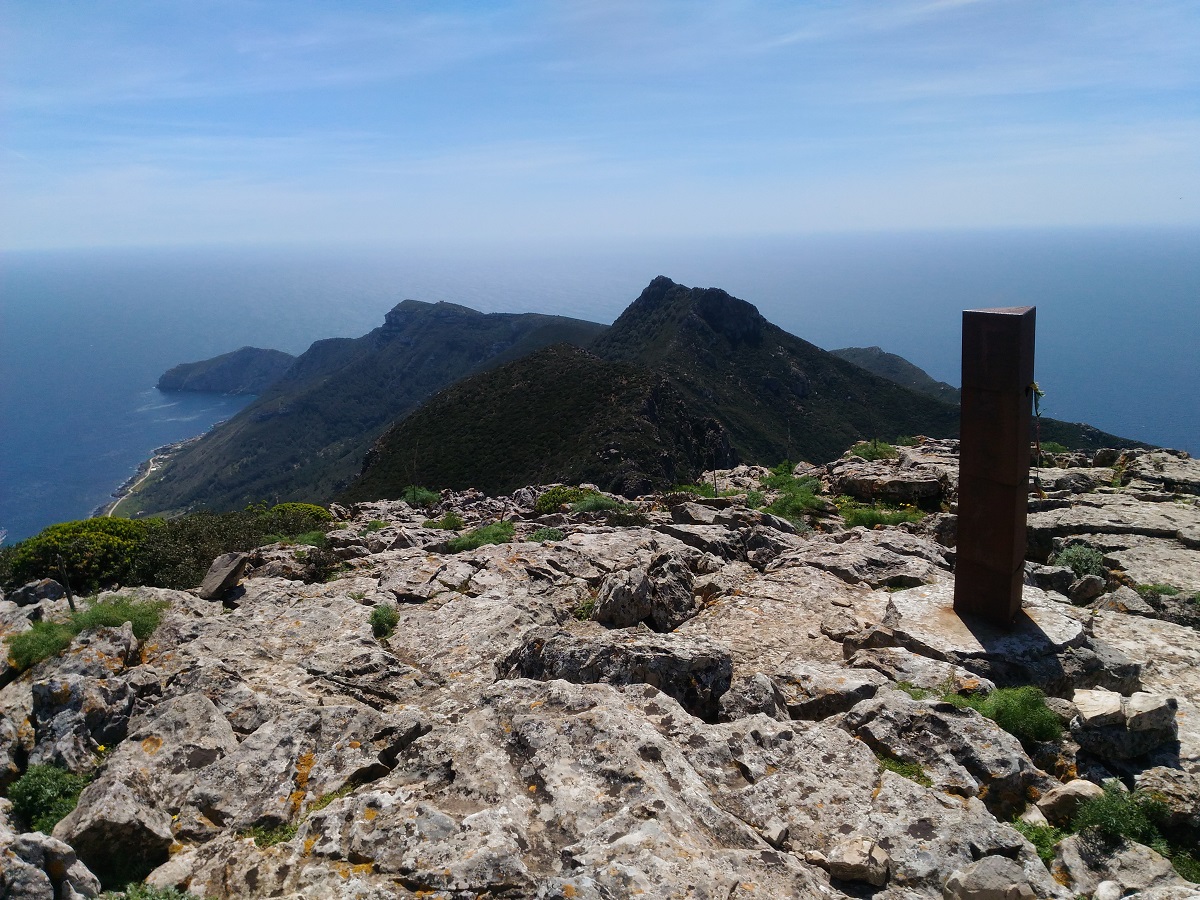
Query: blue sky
[132,123]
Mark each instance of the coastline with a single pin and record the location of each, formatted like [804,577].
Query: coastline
[159,458]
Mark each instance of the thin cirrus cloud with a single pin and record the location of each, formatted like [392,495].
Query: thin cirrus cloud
[222,120]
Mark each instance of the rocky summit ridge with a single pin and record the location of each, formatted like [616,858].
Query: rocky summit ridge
[681,697]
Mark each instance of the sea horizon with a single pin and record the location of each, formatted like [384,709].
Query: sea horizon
[87,332]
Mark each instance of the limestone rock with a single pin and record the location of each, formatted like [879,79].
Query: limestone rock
[1178,790]
[1116,727]
[992,878]
[1082,862]
[36,591]
[661,596]
[223,575]
[1060,803]
[859,859]
[862,561]
[694,671]
[818,691]
[1086,589]
[961,751]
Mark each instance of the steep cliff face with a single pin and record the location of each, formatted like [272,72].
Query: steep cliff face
[249,370]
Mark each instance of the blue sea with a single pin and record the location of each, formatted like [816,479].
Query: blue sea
[84,335]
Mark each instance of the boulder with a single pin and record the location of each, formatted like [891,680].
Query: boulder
[862,562]
[818,691]
[36,866]
[695,671]
[1060,803]
[1082,862]
[661,596]
[1086,589]
[37,591]
[1125,600]
[223,575]
[1115,727]
[992,878]
[859,859]
[1177,790]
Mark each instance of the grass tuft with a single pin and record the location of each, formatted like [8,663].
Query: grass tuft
[45,795]
[496,533]
[911,771]
[1021,711]
[1043,837]
[547,534]
[451,521]
[1080,559]
[873,450]
[384,619]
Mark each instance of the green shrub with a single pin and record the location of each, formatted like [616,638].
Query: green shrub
[1133,815]
[177,553]
[43,640]
[269,837]
[868,515]
[703,489]
[873,450]
[1021,711]
[295,518]
[755,499]
[496,533]
[113,612]
[374,525]
[419,497]
[557,497]
[1156,590]
[95,553]
[139,891]
[311,539]
[1043,837]
[1080,559]
[797,496]
[451,521]
[911,771]
[595,503]
[585,607]
[384,619]
[44,795]
[626,517]
[1054,447]
[906,440]
[547,534]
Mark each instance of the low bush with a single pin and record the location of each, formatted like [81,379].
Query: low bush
[1149,591]
[797,495]
[755,499]
[703,489]
[1117,813]
[869,515]
[1080,559]
[269,837]
[496,533]
[419,497]
[906,440]
[45,639]
[626,517]
[547,534]
[595,503]
[44,795]
[873,450]
[140,891]
[1021,711]
[95,553]
[556,498]
[374,525]
[384,619]
[451,521]
[295,518]
[1043,837]
[1054,447]
[911,771]
[177,553]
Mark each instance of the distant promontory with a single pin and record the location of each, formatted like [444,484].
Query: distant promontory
[250,370]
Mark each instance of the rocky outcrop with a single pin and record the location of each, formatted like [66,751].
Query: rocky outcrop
[715,699]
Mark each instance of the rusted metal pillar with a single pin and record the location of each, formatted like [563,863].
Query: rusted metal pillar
[993,479]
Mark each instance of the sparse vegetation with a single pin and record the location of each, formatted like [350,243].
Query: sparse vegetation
[595,503]
[384,619]
[586,607]
[547,534]
[1080,559]
[917,693]
[45,795]
[451,521]
[755,499]
[1054,447]
[797,495]
[373,525]
[556,498]
[419,497]
[496,533]
[46,639]
[1149,591]
[906,440]
[874,450]
[140,891]
[870,515]
[910,770]
[269,837]
[1021,711]
[1043,837]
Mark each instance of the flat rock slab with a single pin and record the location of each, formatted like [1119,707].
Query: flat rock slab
[928,625]
[1120,514]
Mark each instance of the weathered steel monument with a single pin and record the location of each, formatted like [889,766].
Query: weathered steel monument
[993,481]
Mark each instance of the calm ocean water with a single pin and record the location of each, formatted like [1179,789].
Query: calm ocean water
[85,335]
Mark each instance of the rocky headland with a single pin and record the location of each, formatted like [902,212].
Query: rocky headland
[677,696]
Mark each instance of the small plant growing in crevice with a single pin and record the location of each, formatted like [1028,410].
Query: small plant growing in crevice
[496,533]
[373,525]
[586,607]
[419,497]
[140,891]
[557,497]
[1080,559]
[269,837]
[910,770]
[869,515]
[451,521]
[1149,591]
[873,450]
[542,535]
[45,795]
[1021,711]
[595,503]
[1043,837]
[46,639]
[384,619]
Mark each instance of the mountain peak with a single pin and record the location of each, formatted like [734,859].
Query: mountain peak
[407,311]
